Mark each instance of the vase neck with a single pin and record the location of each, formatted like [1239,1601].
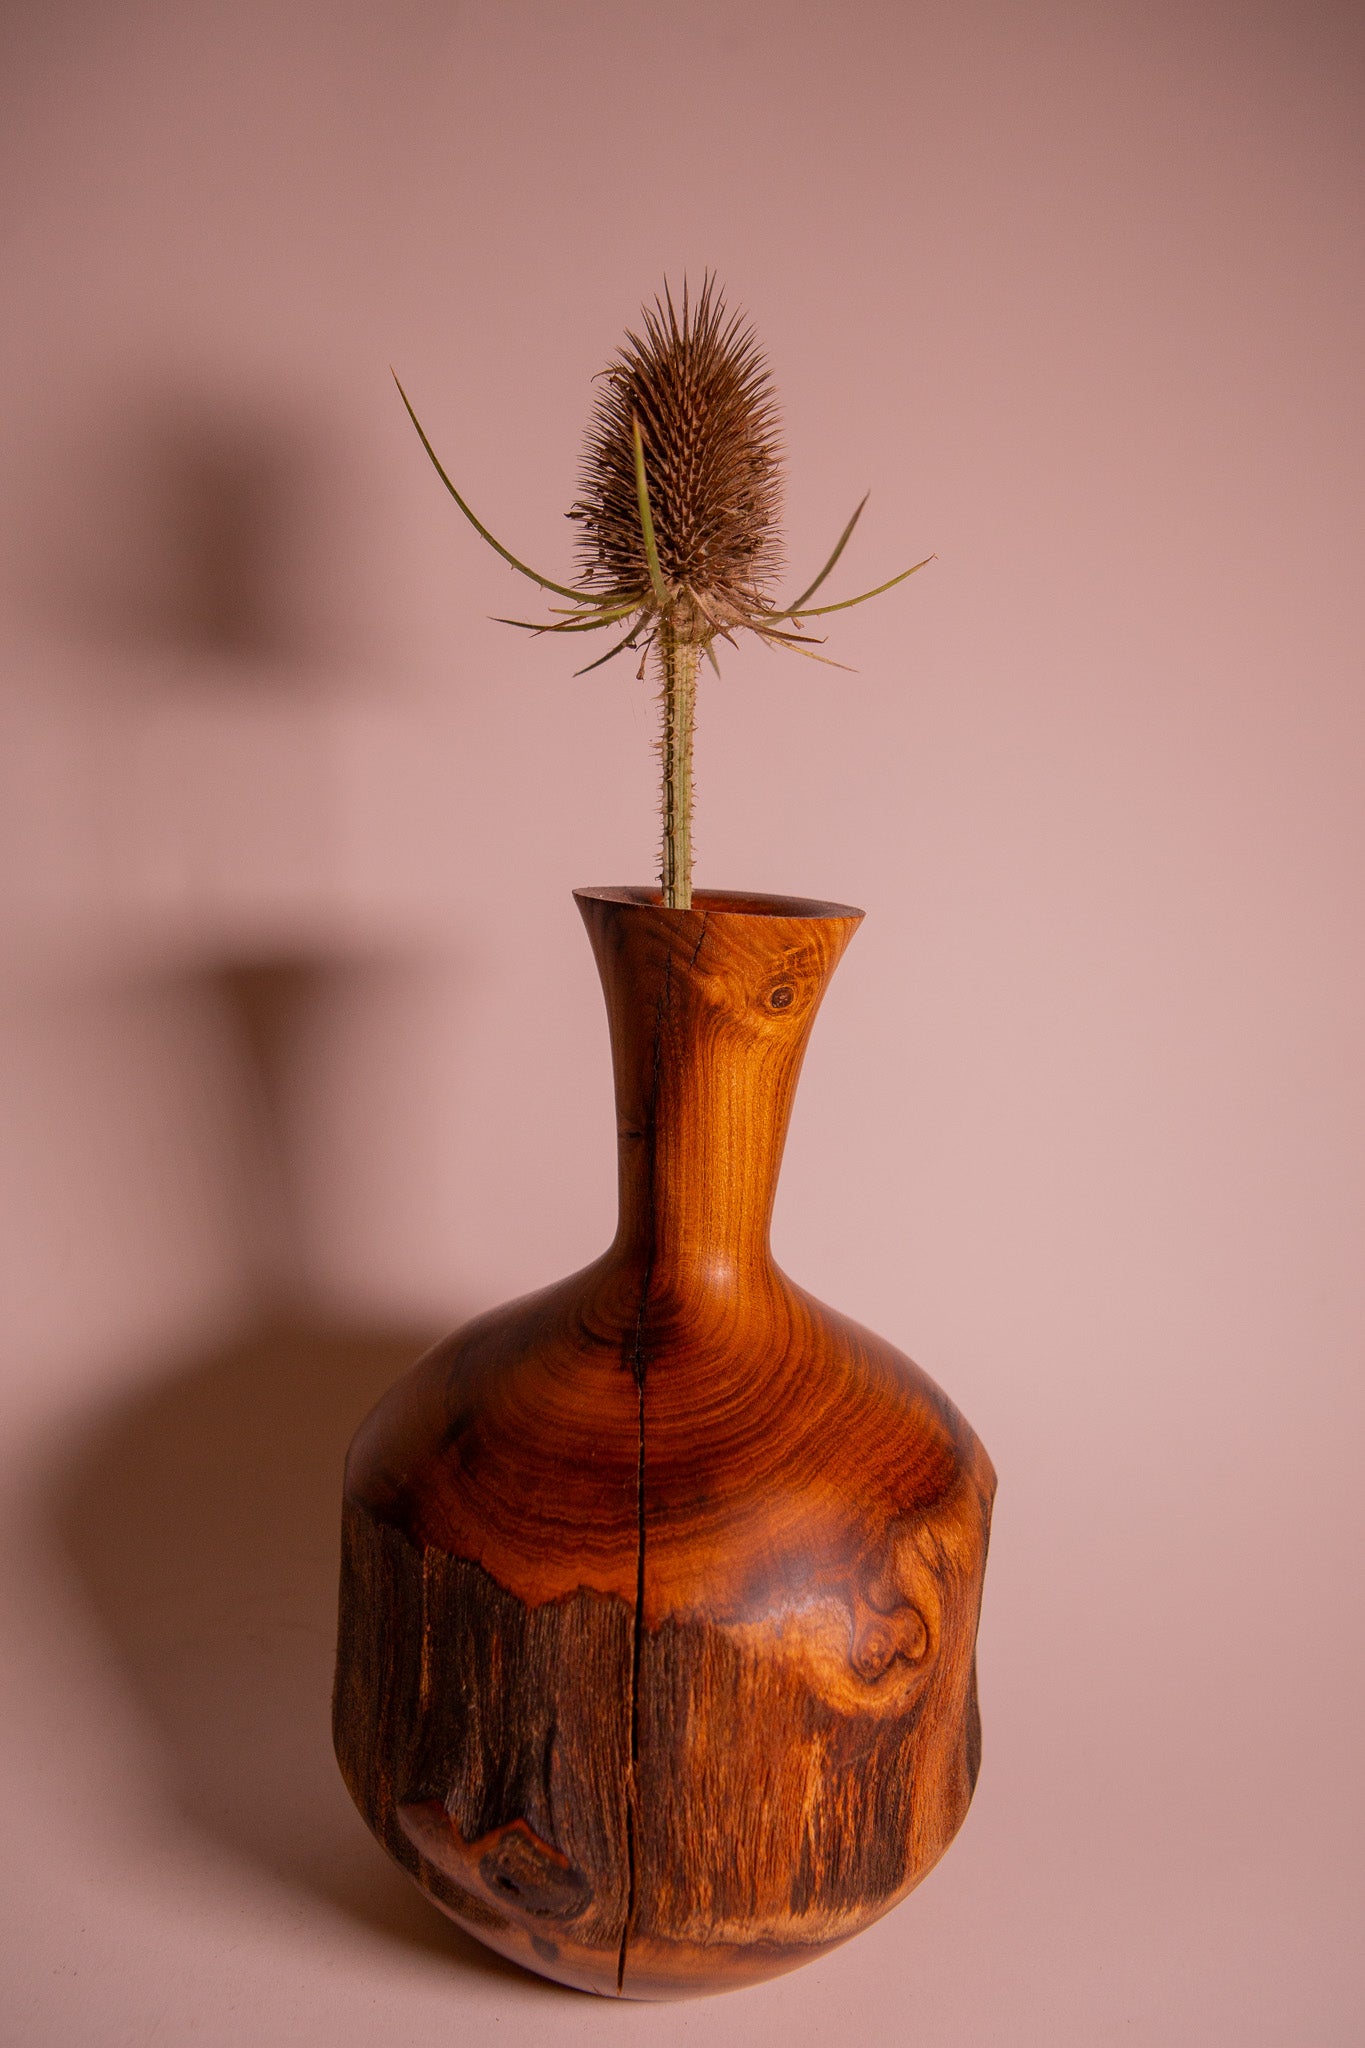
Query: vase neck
[710,1010]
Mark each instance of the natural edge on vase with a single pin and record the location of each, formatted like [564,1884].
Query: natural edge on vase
[660,1586]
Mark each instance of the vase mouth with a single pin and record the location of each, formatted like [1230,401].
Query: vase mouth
[722,902]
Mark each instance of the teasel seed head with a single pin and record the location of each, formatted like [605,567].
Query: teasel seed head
[696,386]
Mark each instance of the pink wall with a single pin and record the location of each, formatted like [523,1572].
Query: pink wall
[301,1032]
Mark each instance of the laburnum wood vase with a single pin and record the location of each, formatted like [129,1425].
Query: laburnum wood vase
[660,1586]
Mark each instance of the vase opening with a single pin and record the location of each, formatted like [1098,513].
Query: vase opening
[726,902]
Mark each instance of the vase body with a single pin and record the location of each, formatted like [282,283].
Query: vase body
[660,1586]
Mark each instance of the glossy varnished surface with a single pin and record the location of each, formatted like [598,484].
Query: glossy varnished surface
[661,1588]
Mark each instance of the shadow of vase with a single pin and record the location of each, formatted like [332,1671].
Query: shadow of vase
[201,1517]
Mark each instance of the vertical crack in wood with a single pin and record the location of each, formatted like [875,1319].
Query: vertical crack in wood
[637,1367]
[637,1642]
[424,1666]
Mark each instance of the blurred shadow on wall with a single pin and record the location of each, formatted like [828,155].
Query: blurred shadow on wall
[201,1515]
[201,1512]
[194,526]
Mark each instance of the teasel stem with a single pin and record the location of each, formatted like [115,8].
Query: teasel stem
[678,673]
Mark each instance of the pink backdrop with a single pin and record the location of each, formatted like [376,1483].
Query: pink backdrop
[302,1053]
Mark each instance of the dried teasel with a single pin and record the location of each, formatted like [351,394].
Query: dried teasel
[678,515]
[695,393]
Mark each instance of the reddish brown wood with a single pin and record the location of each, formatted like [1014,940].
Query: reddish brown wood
[660,1588]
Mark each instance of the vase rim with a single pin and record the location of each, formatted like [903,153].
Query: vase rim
[722,902]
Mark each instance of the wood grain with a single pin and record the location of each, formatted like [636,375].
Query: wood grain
[660,1586]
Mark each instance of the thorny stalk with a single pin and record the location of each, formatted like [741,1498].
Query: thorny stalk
[678,660]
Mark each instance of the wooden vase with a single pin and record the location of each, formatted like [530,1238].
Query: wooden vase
[659,1592]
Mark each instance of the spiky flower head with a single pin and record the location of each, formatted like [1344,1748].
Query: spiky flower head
[696,389]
